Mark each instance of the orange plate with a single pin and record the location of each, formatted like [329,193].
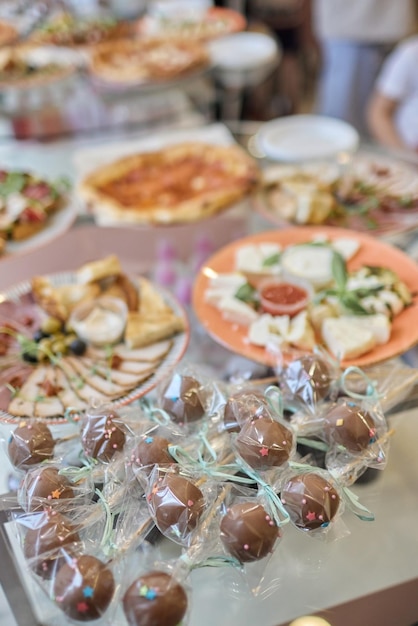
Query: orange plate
[372,252]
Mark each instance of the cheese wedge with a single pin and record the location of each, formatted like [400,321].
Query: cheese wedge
[97,270]
[347,339]
[141,331]
[236,311]
[379,325]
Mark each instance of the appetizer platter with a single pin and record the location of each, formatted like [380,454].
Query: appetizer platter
[33,211]
[147,62]
[69,30]
[298,288]
[23,68]
[93,335]
[8,33]
[370,193]
[215,22]
[178,183]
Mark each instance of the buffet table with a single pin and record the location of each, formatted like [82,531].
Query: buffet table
[367,577]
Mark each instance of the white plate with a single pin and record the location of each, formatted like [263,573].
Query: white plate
[176,352]
[297,138]
[58,223]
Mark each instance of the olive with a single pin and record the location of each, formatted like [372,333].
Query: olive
[30,357]
[38,335]
[51,325]
[70,338]
[78,347]
[45,345]
[58,347]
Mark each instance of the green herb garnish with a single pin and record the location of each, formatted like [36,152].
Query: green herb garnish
[271,260]
[246,293]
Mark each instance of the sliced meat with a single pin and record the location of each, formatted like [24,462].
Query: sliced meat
[23,404]
[66,394]
[151,353]
[48,403]
[118,377]
[82,386]
[98,382]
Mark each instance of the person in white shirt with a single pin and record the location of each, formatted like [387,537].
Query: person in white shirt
[393,107]
[355,36]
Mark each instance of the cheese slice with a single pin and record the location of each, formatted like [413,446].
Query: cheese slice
[346,338]
[236,311]
[379,325]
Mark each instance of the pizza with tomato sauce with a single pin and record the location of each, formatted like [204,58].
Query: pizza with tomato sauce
[181,183]
[147,61]
[26,203]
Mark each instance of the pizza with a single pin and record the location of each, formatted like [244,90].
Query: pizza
[69,30]
[183,182]
[151,60]
[216,22]
[8,33]
[26,203]
[20,69]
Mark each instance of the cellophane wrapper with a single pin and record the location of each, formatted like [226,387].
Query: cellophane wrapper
[308,380]
[357,435]
[49,486]
[188,396]
[314,501]
[153,590]
[178,502]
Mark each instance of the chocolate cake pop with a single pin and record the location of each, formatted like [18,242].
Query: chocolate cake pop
[30,444]
[45,484]
[177,504]
[181,399]
[311,501]
[102,436]
[243,406]
[248,532]
[264,443]
[349,425]
[307,380]
[44,542]
[155,599]
[83,588]
[150,451]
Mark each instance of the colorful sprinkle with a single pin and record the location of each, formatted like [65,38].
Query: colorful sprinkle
[246,546]
[151,594]
[190,502]
[82,607]
[310,516]
[149,439]
[56,494]
[143,590]
[88,592]
[264,451]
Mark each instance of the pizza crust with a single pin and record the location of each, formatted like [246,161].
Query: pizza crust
[146,61]
[240,171]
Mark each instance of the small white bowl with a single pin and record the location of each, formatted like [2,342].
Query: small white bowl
[243,59]
[101,321]
[297,138]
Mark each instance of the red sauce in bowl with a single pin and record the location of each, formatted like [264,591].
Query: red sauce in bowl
[283,298]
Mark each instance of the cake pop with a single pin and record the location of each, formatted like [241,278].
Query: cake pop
[181,399]
[311,500]
[155,599]
[84,588]
[30,443]
[44,542]
[248,532]
[264,443]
